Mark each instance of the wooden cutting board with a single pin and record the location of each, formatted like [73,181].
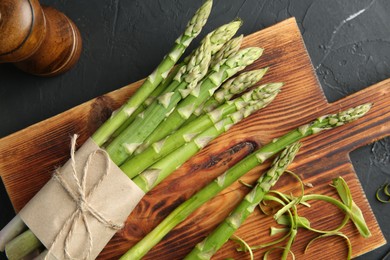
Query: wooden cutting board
[28,157]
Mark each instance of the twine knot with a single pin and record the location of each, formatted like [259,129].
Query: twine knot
[81,204]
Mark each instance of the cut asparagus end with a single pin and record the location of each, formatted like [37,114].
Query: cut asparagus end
[22,245]
[11,230]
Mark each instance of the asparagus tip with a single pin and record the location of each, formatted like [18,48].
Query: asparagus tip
[195,25]
[354,113]
[274,87]
[239,21]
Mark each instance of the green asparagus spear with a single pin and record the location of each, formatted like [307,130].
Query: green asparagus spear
[117,119]
[253,100]
[126,143]
[219,37]
[214,241]
[231,175]
[220,45]
[188,76]
[227,50]
[224,70]
[228,89]
[162,168]
[152,97]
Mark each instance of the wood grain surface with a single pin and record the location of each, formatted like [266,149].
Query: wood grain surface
[28,157]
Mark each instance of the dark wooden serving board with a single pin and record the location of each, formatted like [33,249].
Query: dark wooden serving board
[28,157]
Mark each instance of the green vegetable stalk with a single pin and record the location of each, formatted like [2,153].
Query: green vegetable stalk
[192,30]
[153,175]
[221,48]
[225,92]
[234,173]
[220,73]
[215,240]
[186,79]
[127,142]
[251,101]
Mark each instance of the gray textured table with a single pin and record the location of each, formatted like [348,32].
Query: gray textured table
[348,42]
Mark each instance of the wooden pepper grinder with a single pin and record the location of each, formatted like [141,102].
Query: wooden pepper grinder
[38,40]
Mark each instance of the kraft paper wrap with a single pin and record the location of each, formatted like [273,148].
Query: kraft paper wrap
[53,215]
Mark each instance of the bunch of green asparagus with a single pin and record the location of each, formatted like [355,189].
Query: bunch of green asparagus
[176,112]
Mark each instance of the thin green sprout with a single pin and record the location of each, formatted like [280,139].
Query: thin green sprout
[333,234]
[383,189]
[243,244]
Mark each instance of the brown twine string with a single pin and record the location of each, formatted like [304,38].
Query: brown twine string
[82,206]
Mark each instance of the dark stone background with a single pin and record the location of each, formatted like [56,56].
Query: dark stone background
[348,42]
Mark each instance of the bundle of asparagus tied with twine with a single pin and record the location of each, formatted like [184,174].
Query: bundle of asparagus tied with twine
[174,113]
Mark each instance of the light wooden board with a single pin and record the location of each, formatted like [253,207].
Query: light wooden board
[28,157]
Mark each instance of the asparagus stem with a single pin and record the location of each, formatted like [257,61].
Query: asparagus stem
[117,119]
[151,177]
[215,240]
[11,230]
[234,173]
[253,100]
[204,91]
[152,97]
[226,92]
[227,51]
[125,144]
[22,245]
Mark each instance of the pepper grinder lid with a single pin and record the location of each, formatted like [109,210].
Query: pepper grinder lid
[39,40]
[21,27]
